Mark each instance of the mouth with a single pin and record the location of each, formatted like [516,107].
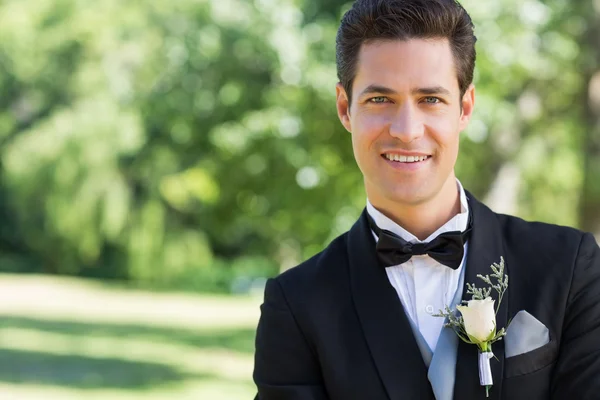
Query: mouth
[397,158]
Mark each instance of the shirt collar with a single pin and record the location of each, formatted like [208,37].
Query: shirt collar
[457,223]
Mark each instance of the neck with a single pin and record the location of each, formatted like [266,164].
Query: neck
[423,218]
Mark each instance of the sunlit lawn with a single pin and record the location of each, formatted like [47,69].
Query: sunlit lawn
[70,339]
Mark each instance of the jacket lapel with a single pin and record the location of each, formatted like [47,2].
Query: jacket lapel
[383,320]
[485,248]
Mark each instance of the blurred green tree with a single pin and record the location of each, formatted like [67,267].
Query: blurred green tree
[186,143]
[590,201]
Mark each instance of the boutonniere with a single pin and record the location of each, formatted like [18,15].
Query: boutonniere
[477,322]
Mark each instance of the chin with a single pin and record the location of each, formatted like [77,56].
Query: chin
[409,196]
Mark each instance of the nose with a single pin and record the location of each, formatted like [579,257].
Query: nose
[406,124]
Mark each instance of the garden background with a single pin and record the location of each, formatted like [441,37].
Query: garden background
[159,160]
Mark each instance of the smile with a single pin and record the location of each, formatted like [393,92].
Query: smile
[405,159]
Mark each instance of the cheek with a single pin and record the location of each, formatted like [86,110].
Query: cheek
[445,132]
[366,129]
[369,125]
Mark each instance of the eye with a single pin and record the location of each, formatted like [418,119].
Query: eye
[432,100]
[378,100]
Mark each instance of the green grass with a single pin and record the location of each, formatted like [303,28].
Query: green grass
[63,338]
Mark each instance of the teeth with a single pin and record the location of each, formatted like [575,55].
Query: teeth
[399,158]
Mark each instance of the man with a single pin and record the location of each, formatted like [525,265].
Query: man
[355,321]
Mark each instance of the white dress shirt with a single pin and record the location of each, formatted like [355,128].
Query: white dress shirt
[424,285]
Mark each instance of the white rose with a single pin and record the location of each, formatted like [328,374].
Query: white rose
[480,318]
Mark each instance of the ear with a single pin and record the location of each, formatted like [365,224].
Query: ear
[343,107]
[468,104]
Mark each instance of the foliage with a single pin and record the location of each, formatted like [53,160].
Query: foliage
[164,141]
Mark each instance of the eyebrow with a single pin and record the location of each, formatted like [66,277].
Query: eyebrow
[432,90]
[377,89]
[427,91]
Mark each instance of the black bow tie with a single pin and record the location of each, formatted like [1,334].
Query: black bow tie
[447,248]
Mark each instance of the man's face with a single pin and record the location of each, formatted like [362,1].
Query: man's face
[406,106]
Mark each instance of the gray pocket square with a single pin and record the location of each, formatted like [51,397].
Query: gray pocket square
[524,334]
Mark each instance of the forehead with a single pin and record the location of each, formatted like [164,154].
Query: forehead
[406,64]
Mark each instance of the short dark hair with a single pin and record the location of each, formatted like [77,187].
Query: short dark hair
[373,20]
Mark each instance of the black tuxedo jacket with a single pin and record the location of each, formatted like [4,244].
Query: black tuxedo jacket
[334,327]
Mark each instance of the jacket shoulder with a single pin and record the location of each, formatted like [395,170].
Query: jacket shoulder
[321,271]
[334,253]
[518,231]
[545,246]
